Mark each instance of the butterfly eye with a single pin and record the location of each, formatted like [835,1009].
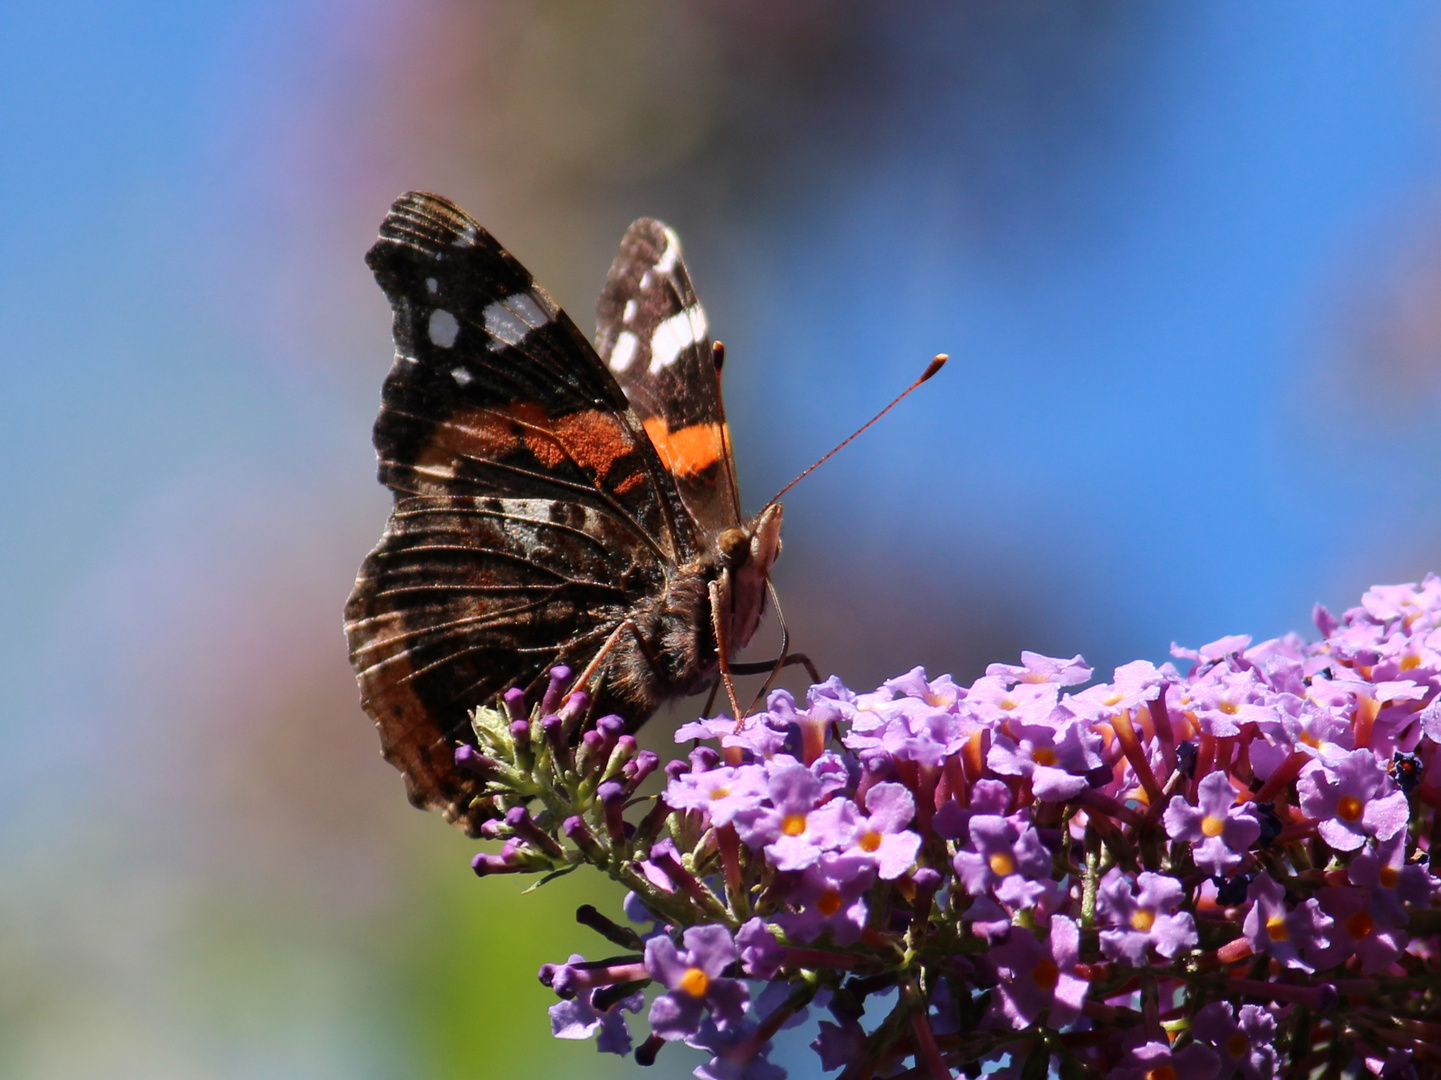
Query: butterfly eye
[735,547]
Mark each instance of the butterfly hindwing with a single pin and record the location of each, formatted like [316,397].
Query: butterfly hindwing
[532,512]
[653,335]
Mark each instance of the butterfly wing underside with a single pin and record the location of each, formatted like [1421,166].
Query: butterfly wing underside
[651,332]
[530,507]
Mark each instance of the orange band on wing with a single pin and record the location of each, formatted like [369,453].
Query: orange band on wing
[689,451]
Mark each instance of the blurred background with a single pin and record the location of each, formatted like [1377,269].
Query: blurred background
[1186,259]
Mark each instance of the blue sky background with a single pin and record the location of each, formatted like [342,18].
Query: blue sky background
[1184,258]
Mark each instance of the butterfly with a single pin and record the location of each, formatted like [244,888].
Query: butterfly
[555,502]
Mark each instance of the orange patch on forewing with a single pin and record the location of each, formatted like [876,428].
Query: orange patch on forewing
[689,450]
[480,434]
[595,439]
[592,439]
[536,429]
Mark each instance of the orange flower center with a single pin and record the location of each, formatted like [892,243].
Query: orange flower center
[1161,1072]
[1046,975]
[1276,928]
[870,840]
[1043,755]
[793,824]
[1389,876]
[1230,708]
[1002,864]
[829,903]
[1212,826]
[1238,1046]
[1008,703]
[1349,808]
[719,792]
[1143,920]
[695,982]
[1410,662]
[1359,925]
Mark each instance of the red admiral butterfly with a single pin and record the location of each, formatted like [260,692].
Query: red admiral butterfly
[552,499]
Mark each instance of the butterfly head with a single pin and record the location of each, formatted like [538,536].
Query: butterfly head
[747,553]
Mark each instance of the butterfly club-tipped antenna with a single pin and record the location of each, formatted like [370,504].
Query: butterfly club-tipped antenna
[931,368]
[786,658]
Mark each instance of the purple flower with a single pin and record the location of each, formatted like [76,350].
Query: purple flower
[736,1055]
[759,734]
[1391,882]
[1153,1060]
[940,693]
[693,979]
[1006,860]
[994,701]
[1054,757]
[839,1044]
[721,793]
[1356,931]
[831,897]
[882,838]
[579,1019]
[761,954]
[1219,830]
[1343,791]
[1131,687]
[1036,975]
[793,830]
[1036,668]
[1147,918]
[1223,700]
[1294,936]
[1246,1042]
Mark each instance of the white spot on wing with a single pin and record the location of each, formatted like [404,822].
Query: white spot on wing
[645,280]
[675,335]
[432,286]
[443,328]
[629,313]
[465,236]
[461,376]
[666,263]
[624,352]
[508,320]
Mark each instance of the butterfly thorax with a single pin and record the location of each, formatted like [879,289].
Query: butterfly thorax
[674,651]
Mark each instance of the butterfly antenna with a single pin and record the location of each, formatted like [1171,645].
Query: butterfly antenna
[931,368]
[718,358]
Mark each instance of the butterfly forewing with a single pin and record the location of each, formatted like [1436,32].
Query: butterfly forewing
[652,333]
[532,512]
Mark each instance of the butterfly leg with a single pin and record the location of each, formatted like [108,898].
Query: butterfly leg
[592,668]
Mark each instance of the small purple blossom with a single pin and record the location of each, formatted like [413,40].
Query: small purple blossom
[722,792]
[578,1018]
[1152,1060]
[1293,934]
[760,953]
[831,896]
[1145,918]
[1244,1041]
[1006,861]
[1219,830]
[1037,975]
[694,983]
[882,837]
[1055,757]
[1343,794]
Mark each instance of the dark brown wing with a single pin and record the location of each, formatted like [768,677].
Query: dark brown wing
[652,333]
[531,511]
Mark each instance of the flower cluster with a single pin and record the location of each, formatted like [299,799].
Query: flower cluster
[1222,873]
